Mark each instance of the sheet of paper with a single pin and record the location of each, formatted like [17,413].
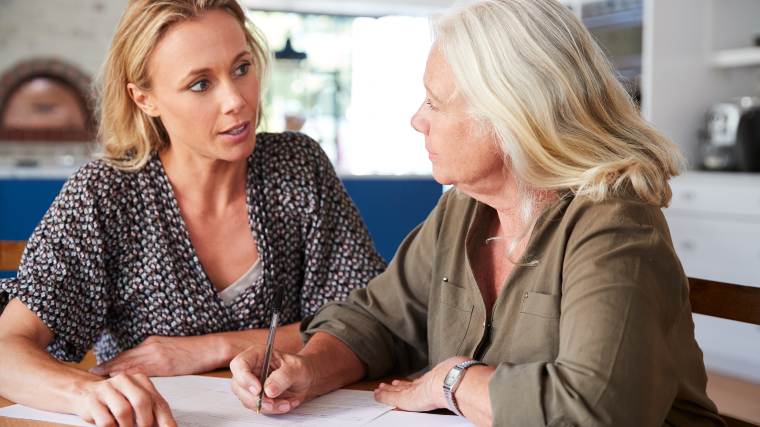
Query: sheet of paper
[23,412]
[204,401]
[416,419]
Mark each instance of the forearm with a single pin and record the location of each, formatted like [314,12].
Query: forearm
[473,397]
[30,376]
[224,346]
[332,362]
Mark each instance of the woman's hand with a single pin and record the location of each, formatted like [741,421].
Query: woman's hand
[423,394]
[288,384]
[123,400]
[159,356]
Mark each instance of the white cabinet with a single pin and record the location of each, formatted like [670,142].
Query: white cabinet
[714,221]
[718,250]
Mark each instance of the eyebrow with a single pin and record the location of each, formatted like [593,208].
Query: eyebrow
[197,71]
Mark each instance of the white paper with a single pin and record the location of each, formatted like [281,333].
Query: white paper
[23,412]
[205,401]
[417,419]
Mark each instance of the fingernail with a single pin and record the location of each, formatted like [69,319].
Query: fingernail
[267,405]
[97,370]
[253,389]
[283,407]
[270,391]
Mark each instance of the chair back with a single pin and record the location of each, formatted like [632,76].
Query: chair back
[10,254]
[726,301]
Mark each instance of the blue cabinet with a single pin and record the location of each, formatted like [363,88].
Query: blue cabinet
[391,206]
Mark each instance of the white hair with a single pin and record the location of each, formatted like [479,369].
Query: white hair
[531,71]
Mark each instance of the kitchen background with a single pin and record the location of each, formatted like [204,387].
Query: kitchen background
[348,73]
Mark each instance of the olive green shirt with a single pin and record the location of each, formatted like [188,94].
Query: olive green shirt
[592,327]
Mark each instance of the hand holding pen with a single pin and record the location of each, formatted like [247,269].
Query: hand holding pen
[276,307]
[259,365]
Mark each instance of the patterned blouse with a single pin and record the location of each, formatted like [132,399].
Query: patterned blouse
[111,262]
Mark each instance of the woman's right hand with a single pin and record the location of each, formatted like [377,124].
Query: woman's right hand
[290,379]
[123,400]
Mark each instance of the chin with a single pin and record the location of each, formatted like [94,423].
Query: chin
[239,151]
[442,177]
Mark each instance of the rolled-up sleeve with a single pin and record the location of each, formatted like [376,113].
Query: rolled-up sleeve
[386,323]
[623,290]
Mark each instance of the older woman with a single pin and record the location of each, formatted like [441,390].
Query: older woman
[543,289]
[166,253]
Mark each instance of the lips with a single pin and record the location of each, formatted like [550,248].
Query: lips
[237,129]
[431,154]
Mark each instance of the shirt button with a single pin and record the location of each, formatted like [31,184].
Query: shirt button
[445,279]
[525,296]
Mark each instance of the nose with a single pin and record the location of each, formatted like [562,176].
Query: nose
[420,123]
[232,100]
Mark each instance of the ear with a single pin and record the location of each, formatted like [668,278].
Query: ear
[143,100]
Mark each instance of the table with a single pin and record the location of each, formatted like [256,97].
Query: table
[89,361]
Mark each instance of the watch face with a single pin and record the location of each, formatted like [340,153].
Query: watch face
[451,377]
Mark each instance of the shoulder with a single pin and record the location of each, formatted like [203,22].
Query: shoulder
[292,148]
[294,167]
[98,174]
[620,244]
[97,184]
[619,235]
[615,213]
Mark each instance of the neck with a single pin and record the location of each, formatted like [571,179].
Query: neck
[207,185]
[501,192]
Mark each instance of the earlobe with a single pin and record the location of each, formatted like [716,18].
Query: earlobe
[142,99]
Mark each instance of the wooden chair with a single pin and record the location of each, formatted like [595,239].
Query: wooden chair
[727,301]
[10,254]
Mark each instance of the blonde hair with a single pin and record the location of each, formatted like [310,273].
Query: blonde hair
[128,136]
[531,72]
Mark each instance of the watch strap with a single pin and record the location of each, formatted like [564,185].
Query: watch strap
[450,387]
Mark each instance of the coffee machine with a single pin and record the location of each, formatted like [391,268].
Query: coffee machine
[731,137]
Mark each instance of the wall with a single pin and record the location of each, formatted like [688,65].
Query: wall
[353,7]
[33,28]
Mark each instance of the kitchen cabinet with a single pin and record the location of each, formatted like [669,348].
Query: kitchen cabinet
[696,53]
[391,206]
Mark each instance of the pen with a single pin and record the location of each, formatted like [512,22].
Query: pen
[276,307]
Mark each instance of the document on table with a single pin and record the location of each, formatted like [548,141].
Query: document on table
[204,401]
[418,419]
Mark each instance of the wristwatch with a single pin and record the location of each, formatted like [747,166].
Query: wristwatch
[452,381]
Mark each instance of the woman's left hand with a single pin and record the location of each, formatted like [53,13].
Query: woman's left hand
[423,394]
[161,356]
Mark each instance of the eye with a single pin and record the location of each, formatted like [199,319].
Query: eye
[242,69]
[200,86]
[430,105]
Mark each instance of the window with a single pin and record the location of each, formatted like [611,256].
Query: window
[356,89]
